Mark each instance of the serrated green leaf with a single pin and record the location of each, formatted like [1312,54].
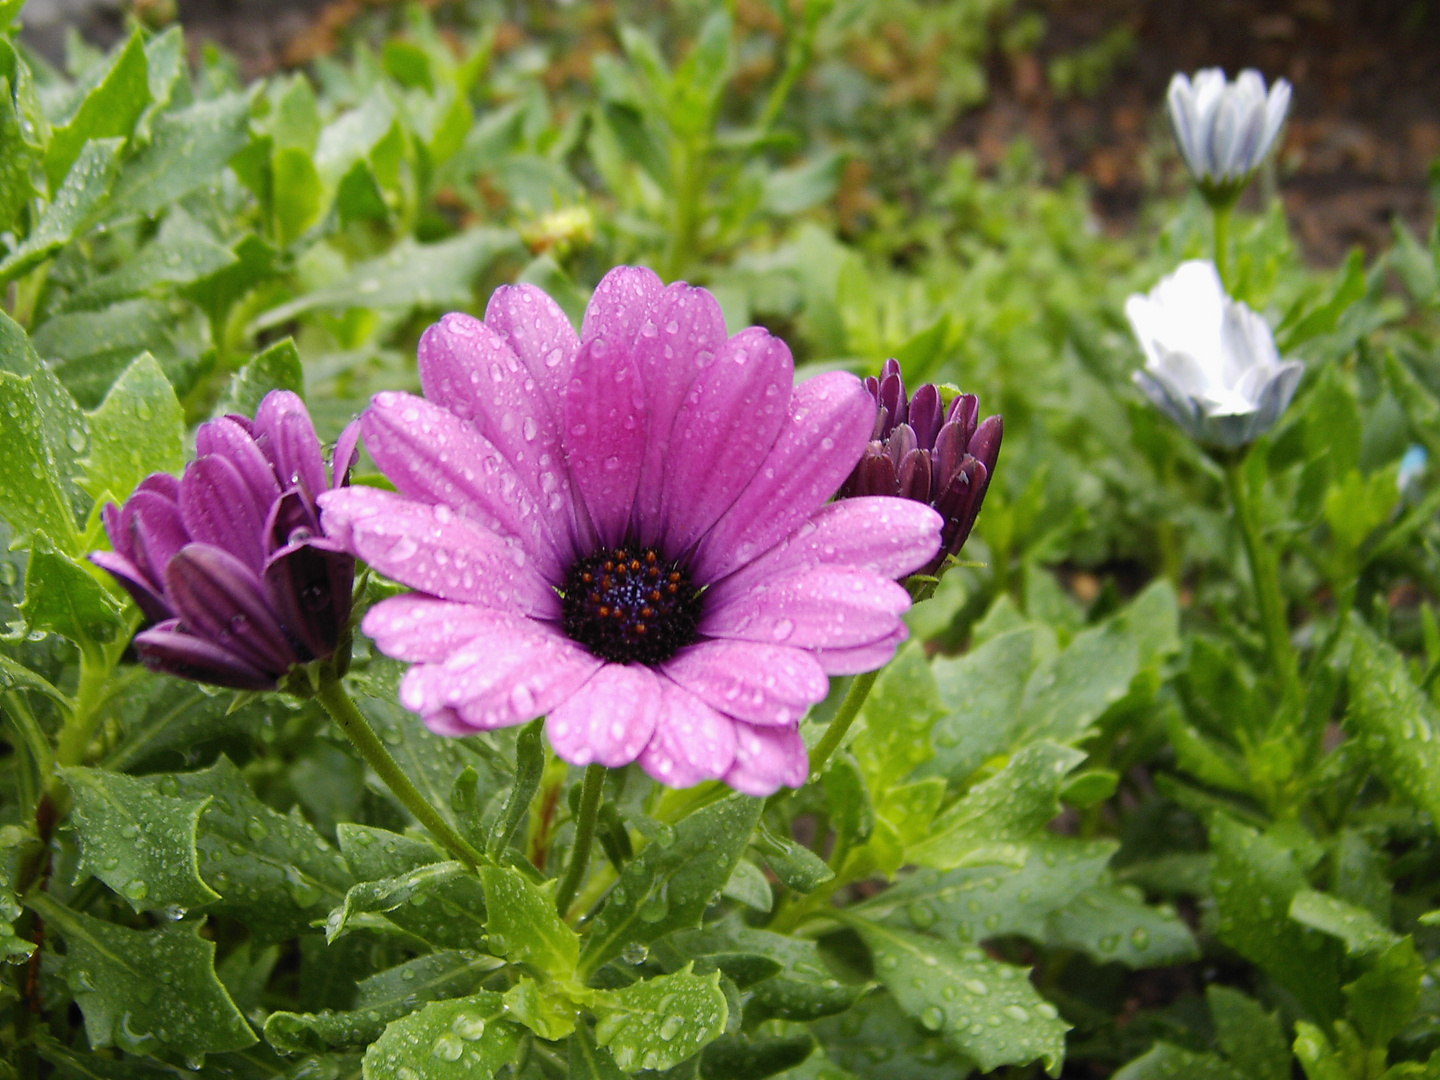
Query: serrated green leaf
[669,885]
[139,429]
[1247,1033]
[1255,880]
[447,912]
[524,925]
[108,111]
[382,998]
[146,991]
[275,368]
[1165,1061]
[411,275]
[972,904]
[159,714]
[1113,922]
[188,149]
[898,716]
[660,1022]
[1361,931]
[987,1010]
[32,498]
[139,842]
[995,818]
[62,597]
[792,982]
[1393,720]
[274,873]
[464,1039]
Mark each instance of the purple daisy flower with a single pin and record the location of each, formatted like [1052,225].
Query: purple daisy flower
[229,561]
[920,451]
[627,530]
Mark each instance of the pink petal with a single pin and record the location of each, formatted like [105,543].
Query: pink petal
[420,628]
[863,657]
[286,436]
[824,607]
[504,676]
[218,507]
[610,719]
[678,338]
[345,455]
[431,455]
[757,683]
[620,304]
[831,417]
[229,438]
[890,536]
[604,434]
[726,426]
[473,372]
[435,550]
[692,742]
[538,331]
[767,759]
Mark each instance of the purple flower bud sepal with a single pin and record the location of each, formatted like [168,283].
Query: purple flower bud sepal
[922,451]
[230,563]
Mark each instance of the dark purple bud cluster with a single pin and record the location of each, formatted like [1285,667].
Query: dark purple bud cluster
[229,562]
[924,452]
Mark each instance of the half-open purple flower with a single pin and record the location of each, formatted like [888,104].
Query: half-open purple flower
[229,561]
[921,451]
[627,530]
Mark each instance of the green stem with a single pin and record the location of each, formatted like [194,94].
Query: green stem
[844,717]
[1222,241]
[79,729]
[331,693]
[1265,573]
[592,788]
[797,59]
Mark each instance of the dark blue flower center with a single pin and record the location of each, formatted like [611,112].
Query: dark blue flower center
[629,606]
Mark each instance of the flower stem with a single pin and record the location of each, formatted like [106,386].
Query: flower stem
[342,710]
[592,788]
[844,717]
[1222,212]
[1265,573]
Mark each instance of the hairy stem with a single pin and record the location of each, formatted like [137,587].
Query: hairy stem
[592,788]
[352,722]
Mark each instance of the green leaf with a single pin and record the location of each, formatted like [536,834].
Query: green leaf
[1317,1057]
[146,991]
[877,1030]
[410,275]
[799,188]
[972,904]
[16,159]
[349,139]
[660,1022]
[275,368]
[987,1010]
[1247,1033]
[794,864]
[1361,931]
[299,194]
[1113,922]
[464,1039]
[790,980]
[898,715]
[139,842]
[384,997]
[387,894]
[188,150]
[443,911]
[524,925]
[158,713]
[529,767]
[1393,720]
[748,886]
[1165,1061]
[1383,1000]
[108,111]
[546,1010]
[694,90]
[139,429]
[32,498]
[92,348]
[1349,289]
[72,210]
[62,597]
[741,1057]
[273,872]
[669,885]
[182,252]
[995,818]
[1255,880]
[1420,405]
[62,425]
[588,1061]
